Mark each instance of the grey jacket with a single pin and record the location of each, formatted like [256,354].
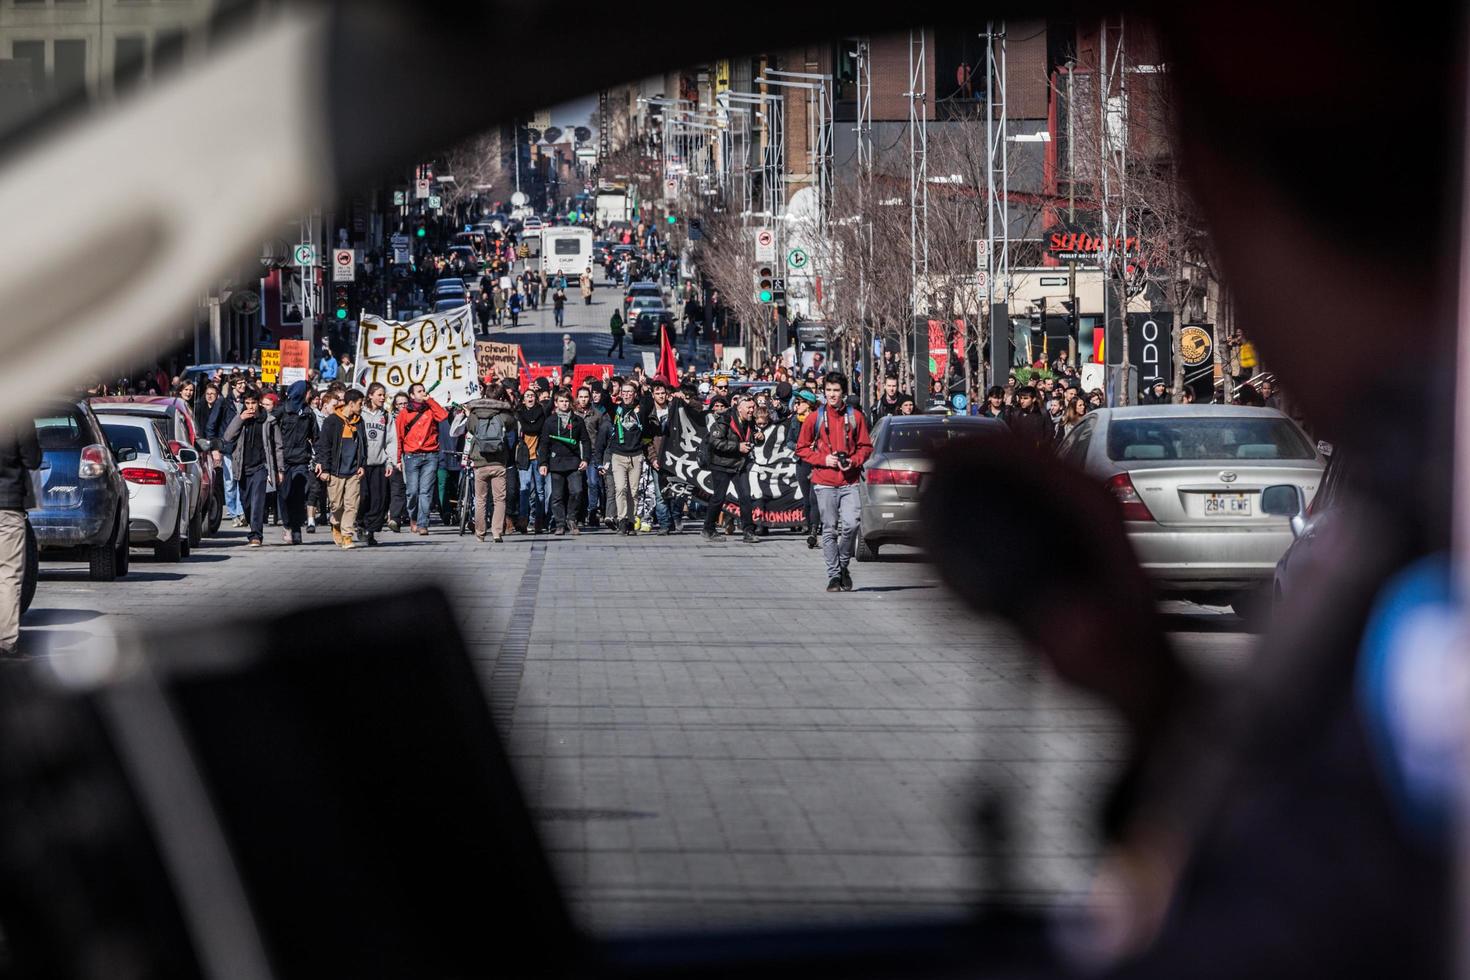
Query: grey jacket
[382,436]
[481,409]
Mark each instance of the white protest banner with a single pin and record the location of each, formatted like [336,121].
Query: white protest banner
[437,350]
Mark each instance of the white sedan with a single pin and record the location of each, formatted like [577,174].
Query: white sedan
[158,497]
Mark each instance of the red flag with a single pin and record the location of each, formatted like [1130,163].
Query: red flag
[668,361]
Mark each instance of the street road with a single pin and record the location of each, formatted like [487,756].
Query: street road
[708,737]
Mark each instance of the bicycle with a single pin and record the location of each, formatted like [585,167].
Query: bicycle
[466,501]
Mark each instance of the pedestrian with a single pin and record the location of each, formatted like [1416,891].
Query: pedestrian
[624,456]
[328,365]
[290,435]
[729,441]
[489,428]
[563,455]
[224,412]
[568,357]
[530,419]
[805,404]
[994,407]
[340,451]
[418,446]
[559,307]
[450,466]
[381,436]
[1029,423]
[888,401]
[586,284]
[654,434]
[246,434]
[513,307]
[20,454]
[397,488]
[615,326]
[834,441]
[598,431]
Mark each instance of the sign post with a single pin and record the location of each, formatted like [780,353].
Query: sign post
[765,245]
[305,254]
[344,265]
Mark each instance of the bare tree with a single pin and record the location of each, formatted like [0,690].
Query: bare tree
[480,161]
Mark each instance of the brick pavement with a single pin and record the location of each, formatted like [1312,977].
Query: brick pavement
[708,737]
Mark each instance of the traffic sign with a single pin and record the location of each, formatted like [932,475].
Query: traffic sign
[518,198]
[421,188]
[671,189]
[305,254]
[344,265]
[765,245]
[399,199]
[797,258]
[435,201]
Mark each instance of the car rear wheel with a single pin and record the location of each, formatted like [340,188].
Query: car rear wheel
[865,551]
[32,569]
[102,560]
[1253,606]
[196,528]
[171,549]
[216,511]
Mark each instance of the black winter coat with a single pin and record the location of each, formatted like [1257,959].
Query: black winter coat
[726,433]
[559,456]
[1033,428]
[20,452]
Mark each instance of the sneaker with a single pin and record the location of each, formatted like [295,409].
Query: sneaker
[296,537]
[573,529]
[311,528]
[749,538]
[834,585]
[253,543]
[393,525]
[708,535]
[498,539]
[337,535]
[811,540]
[413,527]
[286,538]
[558,530]
[372,539]
[480,538]
[347,544]
[846,580]
[423,531]
[670,530]
[239,522]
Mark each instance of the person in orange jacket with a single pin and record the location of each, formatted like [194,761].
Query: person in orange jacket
[418,446]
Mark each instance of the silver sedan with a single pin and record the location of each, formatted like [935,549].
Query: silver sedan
[1188,480]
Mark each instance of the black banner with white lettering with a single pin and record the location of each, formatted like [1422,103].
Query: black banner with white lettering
[1150,347]
[774,490]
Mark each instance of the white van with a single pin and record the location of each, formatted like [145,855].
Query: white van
[566,251]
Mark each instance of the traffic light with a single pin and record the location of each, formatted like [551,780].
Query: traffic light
[342,301]
[778,292]
[421,230]
[765,285]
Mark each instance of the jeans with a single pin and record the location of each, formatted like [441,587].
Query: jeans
[565,489]
[291,495]
[251,492]
[594,490]
[838,505]
[662,512]
[420,471]
[720,484]
[626,472]
[232,488]
[397,497]
[533,496]
[561,314]
[616,345]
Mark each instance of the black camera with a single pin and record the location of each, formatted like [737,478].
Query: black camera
[843,460]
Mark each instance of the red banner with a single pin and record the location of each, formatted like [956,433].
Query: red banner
[583,373]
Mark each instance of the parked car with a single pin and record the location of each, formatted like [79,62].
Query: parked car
[158,490]
[205,506]
[1189,480]
[643,329]
[201,373]
[449,303]
[642,290]
[449,286]
[81,510]
[903,449]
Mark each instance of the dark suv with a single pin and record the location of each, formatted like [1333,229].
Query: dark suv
[81,508]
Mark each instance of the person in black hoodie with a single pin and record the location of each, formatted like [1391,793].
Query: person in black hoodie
[290,435]
[20,452]
[731,438]
[563,452]
[251,463]
[1029,423]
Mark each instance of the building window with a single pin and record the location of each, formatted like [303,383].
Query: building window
[33,52]
[69,67]
[128,65]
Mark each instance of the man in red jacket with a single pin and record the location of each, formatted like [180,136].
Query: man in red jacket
[418,443]
[834,441]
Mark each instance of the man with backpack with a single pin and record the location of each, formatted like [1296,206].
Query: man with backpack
[834,442]
[491,428]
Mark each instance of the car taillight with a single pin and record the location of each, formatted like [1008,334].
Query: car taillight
[1134,509]
[145,476]
[893,478]
[93,463]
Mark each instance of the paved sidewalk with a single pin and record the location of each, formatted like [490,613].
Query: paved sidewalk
[710,738]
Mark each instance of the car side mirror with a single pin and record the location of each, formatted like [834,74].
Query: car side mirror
[187,456]
[1286,500]
[125,455]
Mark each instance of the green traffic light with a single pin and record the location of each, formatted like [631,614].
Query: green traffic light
[765,295]
[341,314]
[421,232]
[673,220]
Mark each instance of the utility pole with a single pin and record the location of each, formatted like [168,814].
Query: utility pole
[997,263]
[918,326]
[1072,218]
